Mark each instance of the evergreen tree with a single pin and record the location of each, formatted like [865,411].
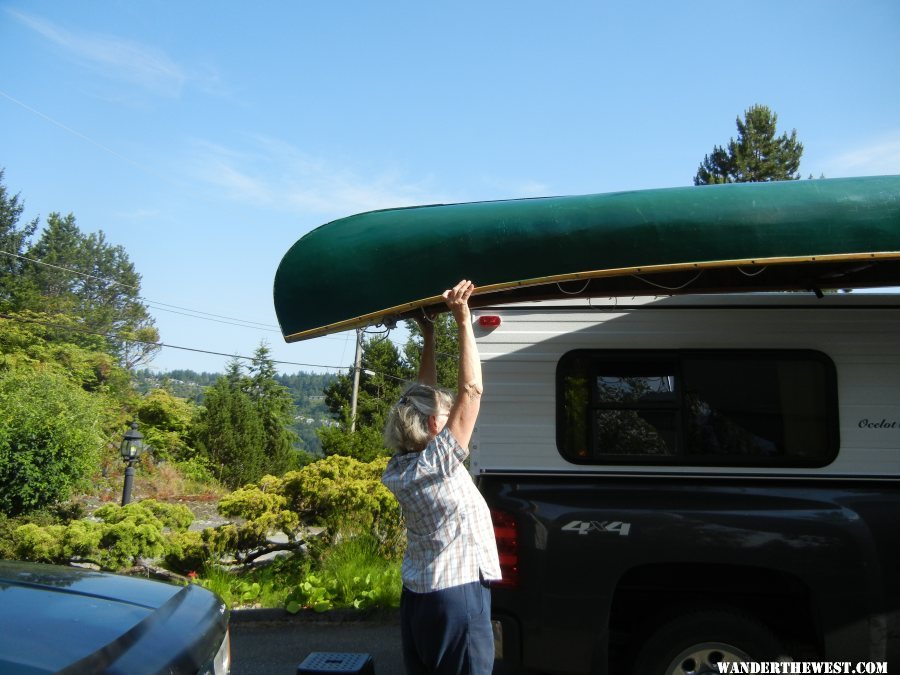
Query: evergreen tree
[13,243]
[230,432]
[756,156]
[86,277]
[276,411]
[385,372]
[446,347]
[381,379]
[382,375]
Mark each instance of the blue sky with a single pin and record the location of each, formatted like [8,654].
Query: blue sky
[206,137]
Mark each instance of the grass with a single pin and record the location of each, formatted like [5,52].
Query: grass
[349,574]
[363,578]
[265,586]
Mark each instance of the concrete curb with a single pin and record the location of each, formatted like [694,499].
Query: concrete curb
[310,616]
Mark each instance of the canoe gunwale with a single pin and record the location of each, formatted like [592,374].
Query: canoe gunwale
[389,316]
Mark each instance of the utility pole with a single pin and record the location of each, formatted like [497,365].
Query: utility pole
[357,366]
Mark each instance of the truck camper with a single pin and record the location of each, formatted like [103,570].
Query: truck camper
[682,481]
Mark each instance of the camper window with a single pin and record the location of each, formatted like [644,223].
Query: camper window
[734,408]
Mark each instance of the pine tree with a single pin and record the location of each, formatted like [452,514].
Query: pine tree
[380,380]
[384,373]
[13,242]
[230,431]
[446,346]
[756,156]
[85,276]
[275,408]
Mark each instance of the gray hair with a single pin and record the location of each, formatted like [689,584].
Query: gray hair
[406,429]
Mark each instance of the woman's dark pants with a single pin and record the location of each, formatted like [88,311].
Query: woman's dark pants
[447,632]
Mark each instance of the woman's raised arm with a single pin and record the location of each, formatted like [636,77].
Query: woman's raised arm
[464,412]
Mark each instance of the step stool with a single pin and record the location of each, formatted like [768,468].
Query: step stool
[336,662]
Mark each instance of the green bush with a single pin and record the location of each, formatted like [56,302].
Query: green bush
[145,530]
[166,422]
[50,438]
[176,517]
[136,531]
[339,494]
[197,470]
[344,494]
[187,552]
[259,510]
[58,515]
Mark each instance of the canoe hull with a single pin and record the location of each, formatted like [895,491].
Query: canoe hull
[380,266]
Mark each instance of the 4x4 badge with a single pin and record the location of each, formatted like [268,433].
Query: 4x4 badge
[588,526]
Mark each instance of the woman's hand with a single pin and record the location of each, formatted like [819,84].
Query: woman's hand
[457,299]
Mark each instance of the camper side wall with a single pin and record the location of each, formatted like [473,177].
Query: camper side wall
[672,476]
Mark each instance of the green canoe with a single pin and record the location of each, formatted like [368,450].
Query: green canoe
[381,266]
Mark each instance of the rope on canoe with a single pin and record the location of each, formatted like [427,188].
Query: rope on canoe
[669,288]
[579,291]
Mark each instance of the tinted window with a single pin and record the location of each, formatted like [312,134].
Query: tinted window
[697,408]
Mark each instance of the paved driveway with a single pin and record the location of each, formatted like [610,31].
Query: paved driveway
[261,646]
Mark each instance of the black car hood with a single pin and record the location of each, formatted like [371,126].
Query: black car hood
[52,617]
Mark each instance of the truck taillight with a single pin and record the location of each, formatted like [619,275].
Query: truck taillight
[506,532]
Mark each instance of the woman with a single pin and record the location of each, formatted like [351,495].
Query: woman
[451,554]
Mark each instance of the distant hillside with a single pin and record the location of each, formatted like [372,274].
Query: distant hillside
[306,389]
[182,383]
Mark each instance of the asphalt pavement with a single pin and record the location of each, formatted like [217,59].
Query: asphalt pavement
[266,642]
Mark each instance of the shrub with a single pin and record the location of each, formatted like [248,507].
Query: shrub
[139,530]
[339,494]
[50,439]
[198,471]
[166,421]
[261,511]
[187,552]
[344,494]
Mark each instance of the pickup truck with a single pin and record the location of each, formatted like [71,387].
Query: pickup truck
[685,481]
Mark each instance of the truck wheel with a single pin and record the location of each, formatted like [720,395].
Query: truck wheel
[694,643]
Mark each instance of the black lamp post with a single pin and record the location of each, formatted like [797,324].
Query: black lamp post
[131,448]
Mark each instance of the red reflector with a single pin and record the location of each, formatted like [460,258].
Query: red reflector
[489,321]
[506,533]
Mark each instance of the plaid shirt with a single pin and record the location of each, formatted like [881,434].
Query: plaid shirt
[450,536]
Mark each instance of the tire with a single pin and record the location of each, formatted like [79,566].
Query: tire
[693,643]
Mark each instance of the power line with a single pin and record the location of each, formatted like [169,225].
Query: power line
[227,323]
[163,305]
[189,349]
[187,311]
[158,344]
